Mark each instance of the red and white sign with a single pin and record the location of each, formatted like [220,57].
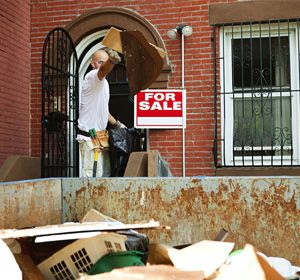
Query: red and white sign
[159,108]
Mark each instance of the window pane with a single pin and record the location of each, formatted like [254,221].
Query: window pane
[261,62]
[262,125]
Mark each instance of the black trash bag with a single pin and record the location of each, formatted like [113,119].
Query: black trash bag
[121,139]
[122,143]
[136,242]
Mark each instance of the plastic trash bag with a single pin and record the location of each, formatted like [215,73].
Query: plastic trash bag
[122,143]
[122,139]
[136,242]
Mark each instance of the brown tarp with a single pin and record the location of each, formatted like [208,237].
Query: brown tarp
[250,11]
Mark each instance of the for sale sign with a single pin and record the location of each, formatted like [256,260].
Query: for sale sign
[159,109]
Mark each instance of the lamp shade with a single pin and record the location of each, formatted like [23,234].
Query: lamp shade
[172,33]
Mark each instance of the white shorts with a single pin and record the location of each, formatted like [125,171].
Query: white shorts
[87,161]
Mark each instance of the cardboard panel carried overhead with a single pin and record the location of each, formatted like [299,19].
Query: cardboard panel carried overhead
[143,60]
[112,39]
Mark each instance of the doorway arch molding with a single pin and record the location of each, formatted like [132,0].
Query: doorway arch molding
[121,18]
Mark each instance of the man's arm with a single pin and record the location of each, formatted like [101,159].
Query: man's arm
[107,66]
[114,122]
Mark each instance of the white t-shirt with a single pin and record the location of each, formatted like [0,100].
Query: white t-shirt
[93,111]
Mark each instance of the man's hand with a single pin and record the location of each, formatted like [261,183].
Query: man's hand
[114,57]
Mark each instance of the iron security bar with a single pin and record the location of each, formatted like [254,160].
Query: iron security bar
[257,94]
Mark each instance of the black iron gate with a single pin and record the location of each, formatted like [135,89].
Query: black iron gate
[59,153]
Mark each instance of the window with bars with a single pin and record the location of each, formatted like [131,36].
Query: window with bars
[258,94]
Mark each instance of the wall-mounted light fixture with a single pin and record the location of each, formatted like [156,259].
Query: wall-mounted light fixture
[182,30]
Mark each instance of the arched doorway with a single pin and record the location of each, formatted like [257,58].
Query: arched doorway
[87,31]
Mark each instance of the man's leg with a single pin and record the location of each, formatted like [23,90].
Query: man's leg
[87,158]
[103,167]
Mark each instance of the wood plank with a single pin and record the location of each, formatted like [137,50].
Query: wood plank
[153,164]
[137,165]
[74,227]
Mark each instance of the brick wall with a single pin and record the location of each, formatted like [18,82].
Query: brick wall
[199,72]
[14,78]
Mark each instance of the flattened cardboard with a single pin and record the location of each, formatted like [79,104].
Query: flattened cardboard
[249,265]
[161,52]
[95,216]
[143,62]
[206,256]
[112,39]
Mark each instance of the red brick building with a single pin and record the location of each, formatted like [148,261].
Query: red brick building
[15,79]
[25,25]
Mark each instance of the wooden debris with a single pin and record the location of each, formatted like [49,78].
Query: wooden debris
[73,228]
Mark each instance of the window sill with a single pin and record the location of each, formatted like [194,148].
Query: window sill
[258,171]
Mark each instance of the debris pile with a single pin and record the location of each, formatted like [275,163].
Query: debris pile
[100,247]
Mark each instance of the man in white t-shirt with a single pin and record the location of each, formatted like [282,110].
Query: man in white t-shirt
[94,111]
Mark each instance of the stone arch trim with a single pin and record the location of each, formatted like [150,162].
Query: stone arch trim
[121,18]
